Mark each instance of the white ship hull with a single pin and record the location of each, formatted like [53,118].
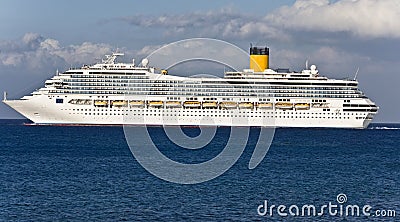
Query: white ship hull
[43,110]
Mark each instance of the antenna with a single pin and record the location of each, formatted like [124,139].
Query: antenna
[307,64]
[355,76]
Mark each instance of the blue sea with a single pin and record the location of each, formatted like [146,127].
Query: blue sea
[75,173]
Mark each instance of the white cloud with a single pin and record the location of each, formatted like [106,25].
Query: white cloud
[36,51]
[224,23]
[50,44]
[12,59]
[362,18]
[86,52]
[147,50]
[32,40]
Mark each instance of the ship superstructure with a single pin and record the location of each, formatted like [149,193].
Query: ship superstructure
[124,93]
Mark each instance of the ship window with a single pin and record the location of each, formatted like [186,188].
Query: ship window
[59,100]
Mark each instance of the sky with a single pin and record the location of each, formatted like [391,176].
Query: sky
[42,36]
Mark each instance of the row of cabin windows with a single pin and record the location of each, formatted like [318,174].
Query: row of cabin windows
[214,111]
[246,116]
[187,93]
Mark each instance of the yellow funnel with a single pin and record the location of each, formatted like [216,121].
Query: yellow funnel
[259,59]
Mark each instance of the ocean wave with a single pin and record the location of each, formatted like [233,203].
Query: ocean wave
[384,128]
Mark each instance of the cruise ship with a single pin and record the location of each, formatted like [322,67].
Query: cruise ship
[114,93]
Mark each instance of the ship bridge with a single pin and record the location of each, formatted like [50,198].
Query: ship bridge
[109,63]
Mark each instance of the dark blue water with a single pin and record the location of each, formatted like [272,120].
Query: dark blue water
[88,173]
